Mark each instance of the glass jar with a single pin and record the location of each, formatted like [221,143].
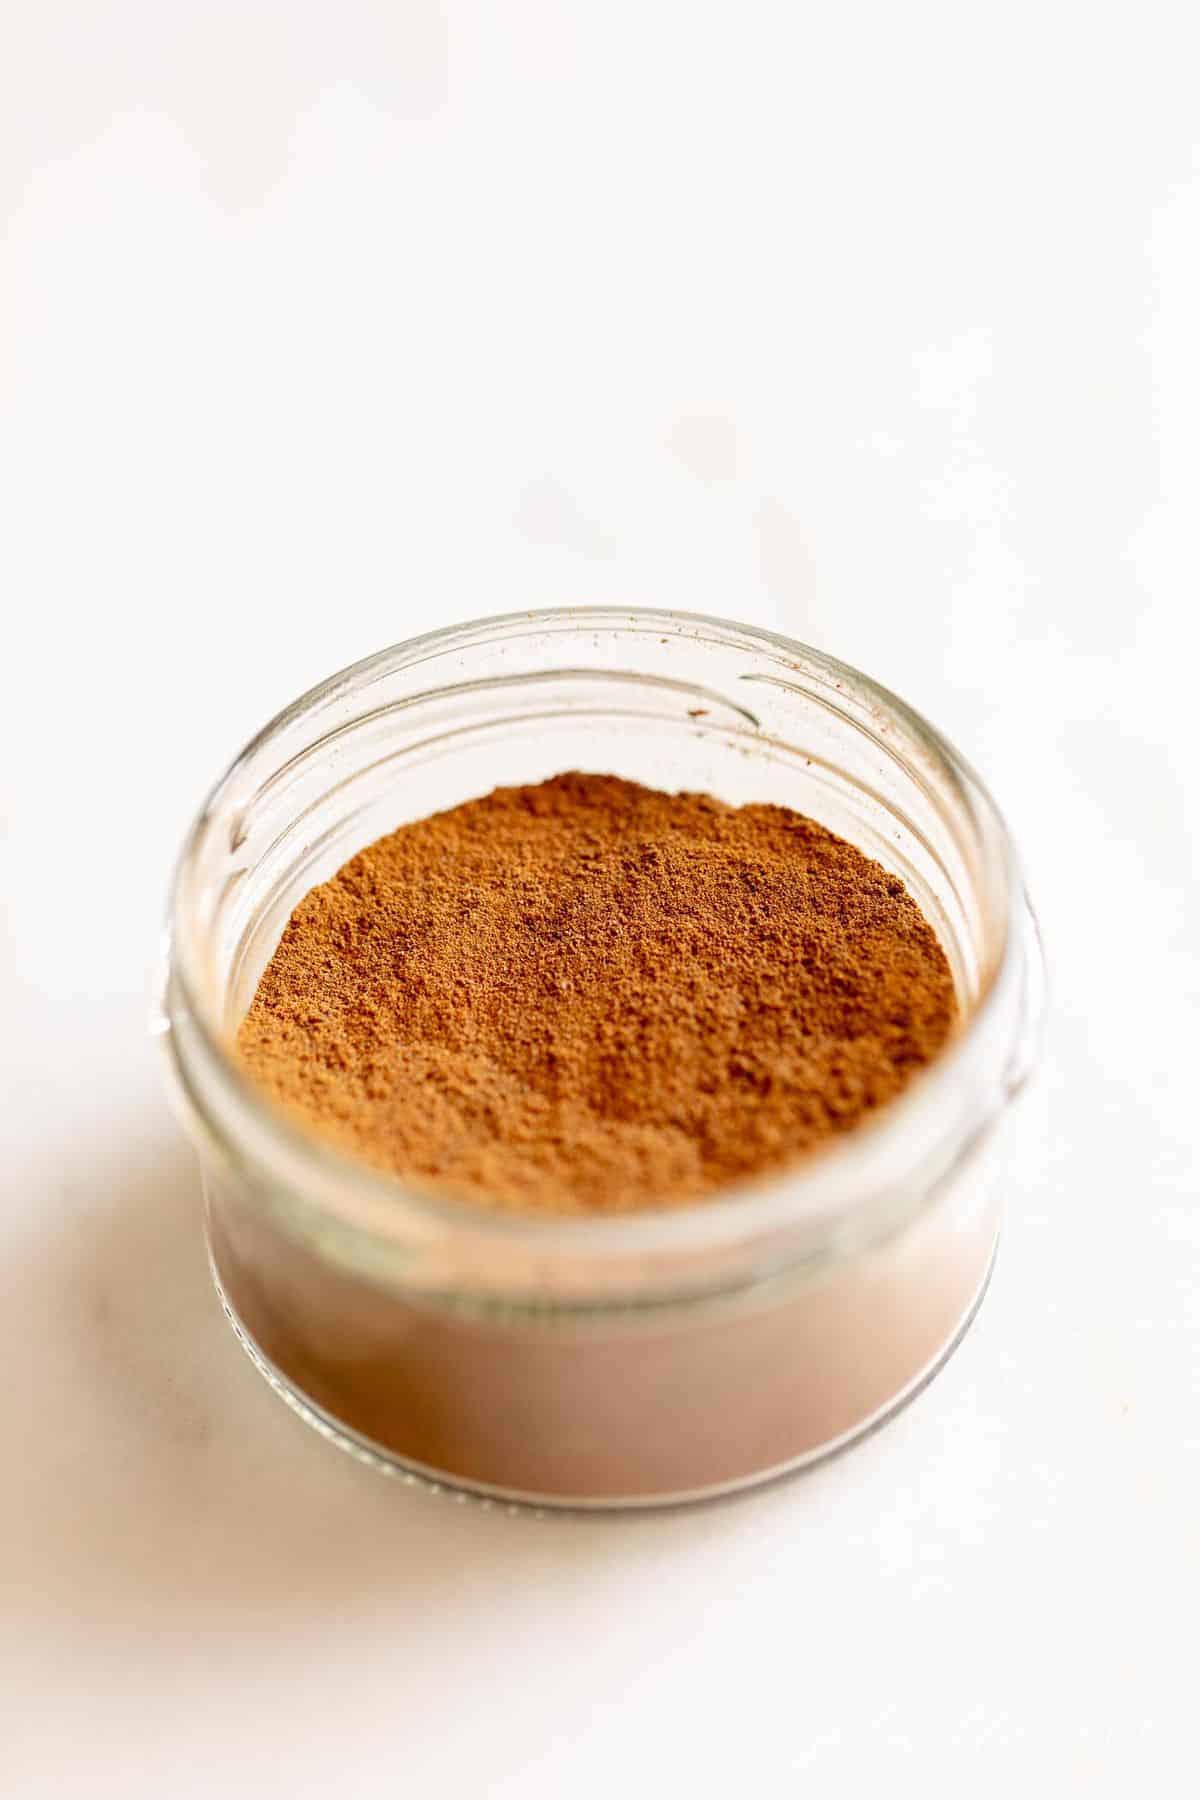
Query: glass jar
[629,1360]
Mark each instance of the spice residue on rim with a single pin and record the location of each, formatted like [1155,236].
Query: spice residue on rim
[589,996]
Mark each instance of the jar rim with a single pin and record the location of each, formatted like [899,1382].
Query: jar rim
[828,1185]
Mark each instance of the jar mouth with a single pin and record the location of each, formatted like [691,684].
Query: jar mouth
[829,1203]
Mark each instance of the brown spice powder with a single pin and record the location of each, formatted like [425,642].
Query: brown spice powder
[590,997]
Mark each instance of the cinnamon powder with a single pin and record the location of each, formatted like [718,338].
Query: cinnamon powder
[589,997]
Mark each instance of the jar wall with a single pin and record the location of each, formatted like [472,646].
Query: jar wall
[570,1409]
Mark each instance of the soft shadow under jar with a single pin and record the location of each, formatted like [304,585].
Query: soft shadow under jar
[647,1357]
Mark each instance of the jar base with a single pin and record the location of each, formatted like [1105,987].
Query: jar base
[514,1500]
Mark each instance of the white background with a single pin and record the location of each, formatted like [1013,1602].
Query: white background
[322,325]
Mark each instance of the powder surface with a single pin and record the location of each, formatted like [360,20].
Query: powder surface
[590,997]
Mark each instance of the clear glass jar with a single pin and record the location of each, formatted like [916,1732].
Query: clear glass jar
[637,1359]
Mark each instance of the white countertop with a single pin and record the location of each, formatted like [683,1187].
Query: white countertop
[876,325]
